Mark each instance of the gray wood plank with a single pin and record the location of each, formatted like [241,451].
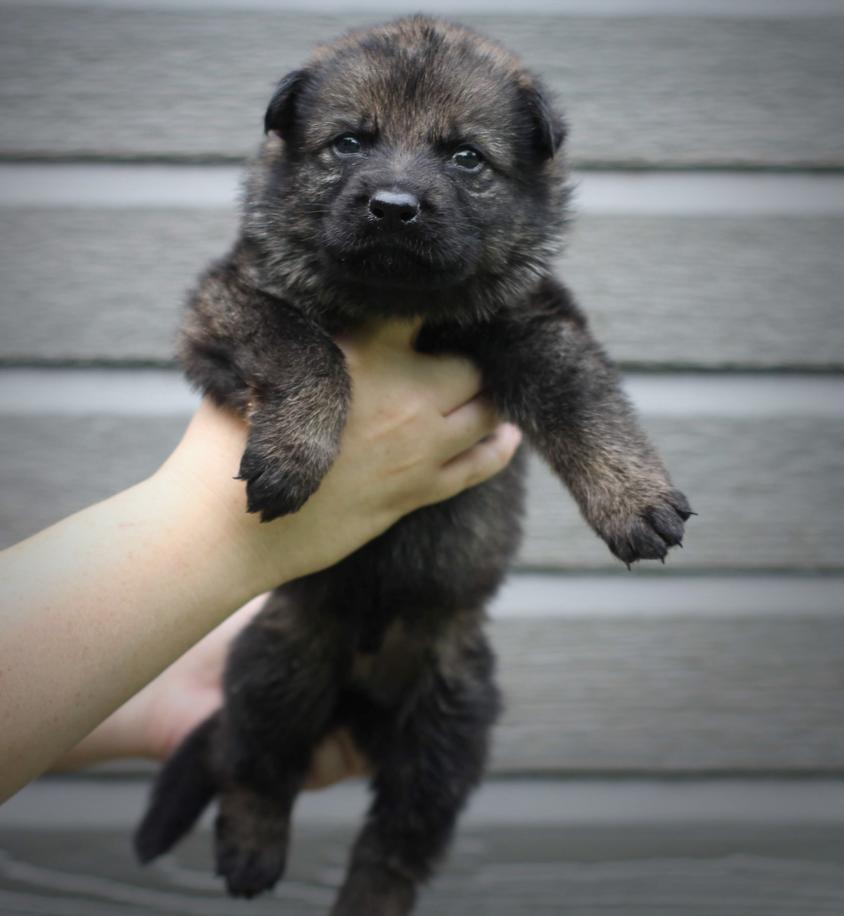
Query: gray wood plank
[88,284]
[671,674]
[712,863]
[92,284]
[639,90]
[671,694]
[82,802]
[769,488]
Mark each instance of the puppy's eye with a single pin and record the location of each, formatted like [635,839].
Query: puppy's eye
[467,158]
[348,145]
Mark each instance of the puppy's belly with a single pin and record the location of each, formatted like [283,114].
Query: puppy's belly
[387,675]
[445,557]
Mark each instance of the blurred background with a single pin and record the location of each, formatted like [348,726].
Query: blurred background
[674,737]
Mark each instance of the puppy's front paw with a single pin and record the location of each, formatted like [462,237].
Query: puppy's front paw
[647,531]
[280,480]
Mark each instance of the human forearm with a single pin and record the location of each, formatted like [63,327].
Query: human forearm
[96,606]
[159,574]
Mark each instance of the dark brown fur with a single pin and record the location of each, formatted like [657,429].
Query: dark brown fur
[389,642]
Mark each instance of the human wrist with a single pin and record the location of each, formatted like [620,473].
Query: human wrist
[212,532]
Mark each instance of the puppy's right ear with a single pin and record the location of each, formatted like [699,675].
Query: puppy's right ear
[549,129]
[281,113]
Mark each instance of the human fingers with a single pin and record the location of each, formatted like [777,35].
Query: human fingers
[336,757]
[480,462]
[386,352]
[466,426]
[451,381]
[396,334]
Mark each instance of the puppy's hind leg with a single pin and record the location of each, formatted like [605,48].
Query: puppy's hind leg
[252,832]
[280,699]
[428,760]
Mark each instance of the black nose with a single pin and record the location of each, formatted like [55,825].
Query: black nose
[393,209]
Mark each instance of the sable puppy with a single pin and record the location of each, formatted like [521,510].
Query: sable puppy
[411,169]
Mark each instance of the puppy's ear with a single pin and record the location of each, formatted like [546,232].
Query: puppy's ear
[549,129]
[281,113]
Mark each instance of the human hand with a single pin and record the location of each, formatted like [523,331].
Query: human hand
[103,601]
[156,720]
[418,432]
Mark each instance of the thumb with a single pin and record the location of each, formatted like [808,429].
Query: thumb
[397,333]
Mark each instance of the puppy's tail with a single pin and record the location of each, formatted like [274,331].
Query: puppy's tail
[183,788]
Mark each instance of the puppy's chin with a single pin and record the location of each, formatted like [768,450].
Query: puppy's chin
[393,267]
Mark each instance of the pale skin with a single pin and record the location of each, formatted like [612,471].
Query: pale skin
[98,605]
[155,720]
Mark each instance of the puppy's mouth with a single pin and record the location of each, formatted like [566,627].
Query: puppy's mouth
[395,264]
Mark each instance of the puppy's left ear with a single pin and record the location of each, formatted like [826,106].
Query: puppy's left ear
[549,129]
[281,113]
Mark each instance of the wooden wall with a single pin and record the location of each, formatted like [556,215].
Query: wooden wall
[708,249]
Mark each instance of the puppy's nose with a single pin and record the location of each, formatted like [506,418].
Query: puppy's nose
[393,209]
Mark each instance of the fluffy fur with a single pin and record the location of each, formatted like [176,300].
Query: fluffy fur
[364,202]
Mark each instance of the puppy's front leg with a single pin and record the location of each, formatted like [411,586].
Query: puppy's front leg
[544,370]
[294,436]
[263,357]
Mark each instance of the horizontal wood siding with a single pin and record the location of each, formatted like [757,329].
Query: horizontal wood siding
[763,485]
[761,292]
[583,847]
[671,694]
[644,90]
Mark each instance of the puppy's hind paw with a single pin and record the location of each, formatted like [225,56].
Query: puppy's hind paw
[250,872]
[251,853]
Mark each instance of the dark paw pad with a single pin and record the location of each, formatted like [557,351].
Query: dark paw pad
[248,870]
[276,484]
[651,533]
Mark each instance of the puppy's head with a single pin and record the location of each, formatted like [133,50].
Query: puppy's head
[408,166]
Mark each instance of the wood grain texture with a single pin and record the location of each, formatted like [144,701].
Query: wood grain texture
[769,489]
[93,284]
[128,83]
[517,871]
[88,284]
[707,864]
[671,695]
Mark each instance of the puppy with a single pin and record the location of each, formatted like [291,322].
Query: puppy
[413,169]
